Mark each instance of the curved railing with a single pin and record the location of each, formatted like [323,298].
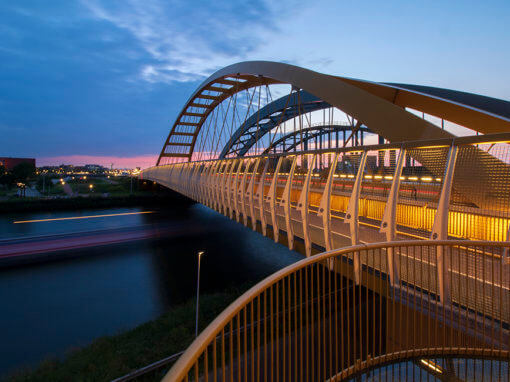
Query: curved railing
[337,314]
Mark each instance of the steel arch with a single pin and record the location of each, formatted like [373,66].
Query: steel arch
[379,106]
[310,133]
[244,138]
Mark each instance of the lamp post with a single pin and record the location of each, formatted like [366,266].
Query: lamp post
[198,292]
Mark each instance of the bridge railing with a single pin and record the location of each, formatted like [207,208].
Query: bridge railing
[438,189]
[336,314]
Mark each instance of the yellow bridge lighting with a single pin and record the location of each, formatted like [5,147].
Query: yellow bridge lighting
[431,365]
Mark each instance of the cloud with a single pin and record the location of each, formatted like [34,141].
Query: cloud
[186,43]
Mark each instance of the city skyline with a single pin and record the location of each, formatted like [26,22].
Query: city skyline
[88,82]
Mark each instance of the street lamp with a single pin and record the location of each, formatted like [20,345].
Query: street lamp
[198,291]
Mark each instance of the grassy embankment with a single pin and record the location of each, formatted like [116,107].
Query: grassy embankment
[107,196]
[110,357]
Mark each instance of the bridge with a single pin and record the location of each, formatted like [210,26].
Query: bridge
[404,223]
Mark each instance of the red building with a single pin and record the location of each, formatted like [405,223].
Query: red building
[10,163]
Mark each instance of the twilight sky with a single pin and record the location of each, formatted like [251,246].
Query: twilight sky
[101,81]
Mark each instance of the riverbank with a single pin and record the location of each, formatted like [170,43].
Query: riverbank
[111,357]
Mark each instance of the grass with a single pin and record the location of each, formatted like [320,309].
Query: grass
[110,357]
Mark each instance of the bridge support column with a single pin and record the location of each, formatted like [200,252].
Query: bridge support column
[232,183]
[352,215]
[303,206]
[260,199]
[204,178]
[440,227]
[271,197]
[225,178]
[216,185]
[229,188]
[194,181]
[251,191]
[236,189]
[388,224]
[285,203]
[505,259]
[208,184]
[242,192]
[325,205]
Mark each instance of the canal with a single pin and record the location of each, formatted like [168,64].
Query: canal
[63,300]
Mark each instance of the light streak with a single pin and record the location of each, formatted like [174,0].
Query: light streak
[82,217]
[433,366]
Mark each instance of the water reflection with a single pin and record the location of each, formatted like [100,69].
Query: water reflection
[79,295]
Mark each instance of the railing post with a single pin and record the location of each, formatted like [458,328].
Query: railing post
[214,182]
[505,259]
[207,184]
[223,186]
[236,189]
[389,224]
[325,205]
[200,177]
[440,227]
[285,203]
[352,215]
[187,177]
[193,168]
[193,182]
[216,185]
[243,193]
[229,188]
[260,197]
[271,197]
[303,207]
[251,191]
[168,177]
[178,183]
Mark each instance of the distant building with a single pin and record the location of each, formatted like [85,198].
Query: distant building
[95,168]
[10,163]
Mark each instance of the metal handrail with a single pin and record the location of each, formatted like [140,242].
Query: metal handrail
[493,327]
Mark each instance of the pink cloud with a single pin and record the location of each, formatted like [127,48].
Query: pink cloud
[142,161]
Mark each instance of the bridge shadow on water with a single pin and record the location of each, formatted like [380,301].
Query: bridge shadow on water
[235,256]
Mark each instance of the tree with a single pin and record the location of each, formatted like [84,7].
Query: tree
[23,171]
[6,178]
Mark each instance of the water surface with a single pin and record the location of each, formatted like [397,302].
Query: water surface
[51,307]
